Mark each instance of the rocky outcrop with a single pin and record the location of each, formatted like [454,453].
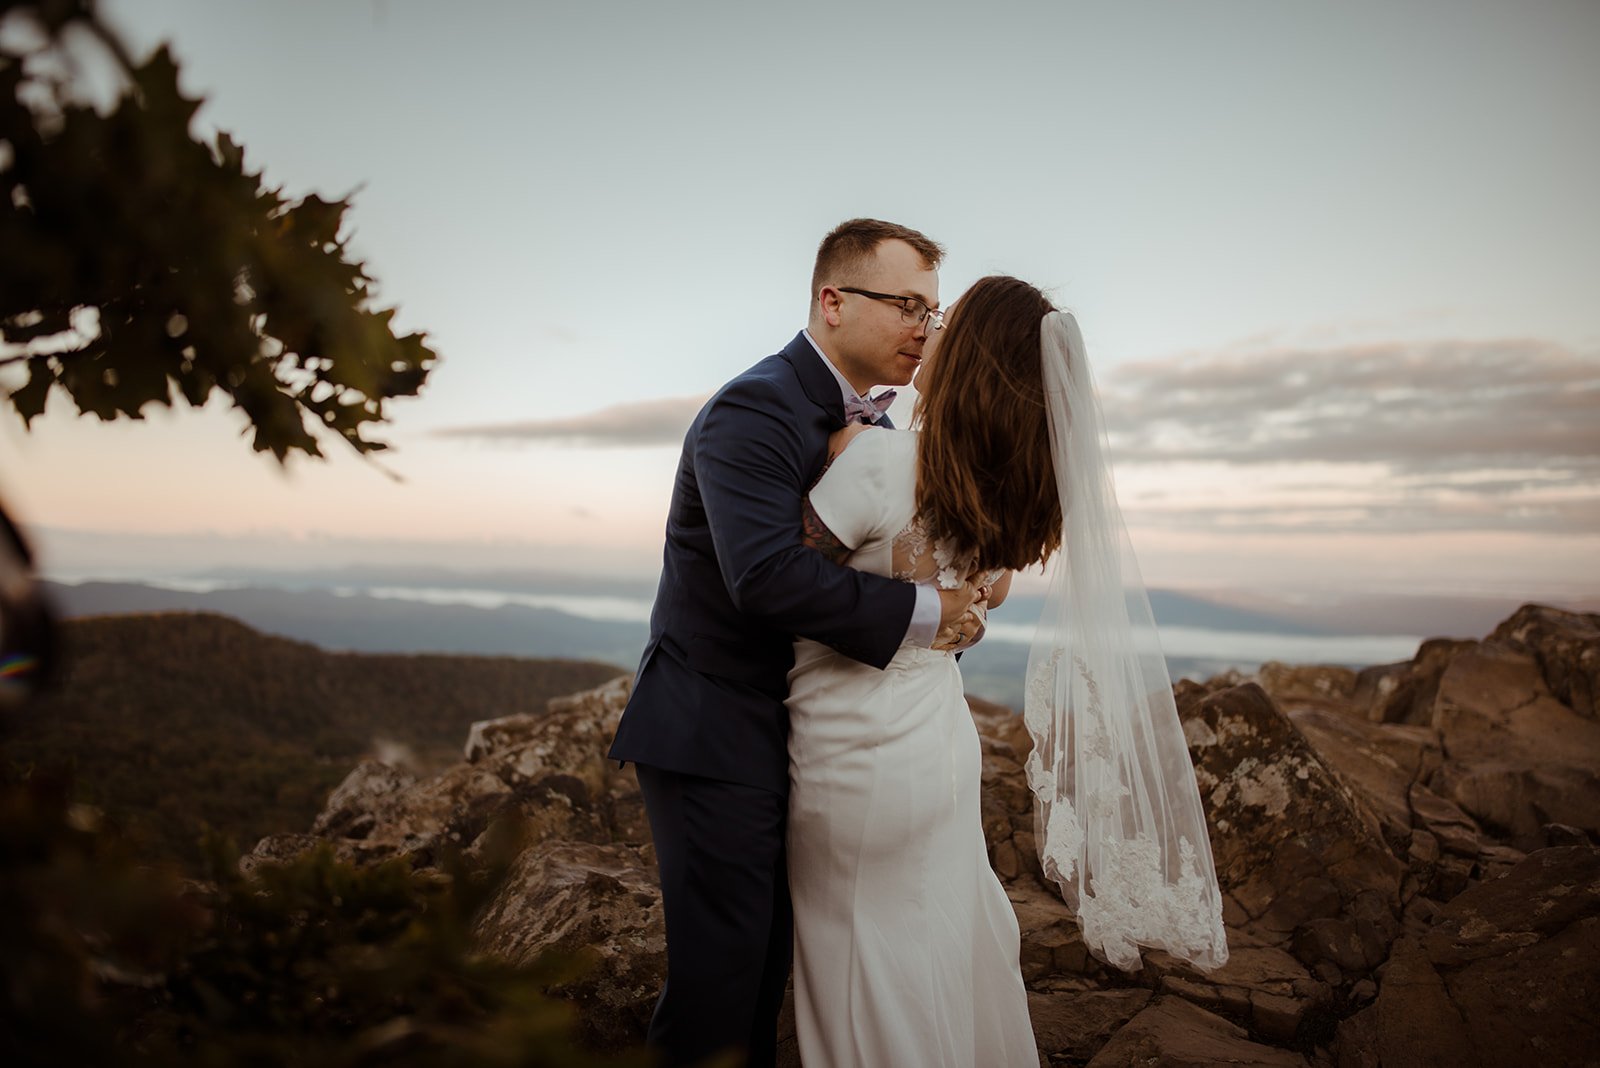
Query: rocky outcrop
[548,768]
[597,908]
[1504,974]
[1300,856]
[1176,1034]
[1482,746]
[1407,855]
[1566,646]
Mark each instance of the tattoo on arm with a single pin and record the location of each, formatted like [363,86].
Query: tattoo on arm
[825,465]
[816,535]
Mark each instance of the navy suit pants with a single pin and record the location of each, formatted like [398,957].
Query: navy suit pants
[725,893]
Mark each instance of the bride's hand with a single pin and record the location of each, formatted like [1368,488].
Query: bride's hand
[954,604]
[963,618]
[964,632]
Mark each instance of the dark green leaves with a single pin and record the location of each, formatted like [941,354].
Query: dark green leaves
[29,400]
[190,274]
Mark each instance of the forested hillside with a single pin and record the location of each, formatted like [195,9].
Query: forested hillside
[169,721]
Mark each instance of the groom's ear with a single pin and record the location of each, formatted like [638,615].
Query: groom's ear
[829,301]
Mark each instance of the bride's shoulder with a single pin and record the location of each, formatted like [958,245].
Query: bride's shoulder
[897,442]
[871,453]
[863,440]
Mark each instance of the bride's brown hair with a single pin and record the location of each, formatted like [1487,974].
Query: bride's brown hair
[985,480]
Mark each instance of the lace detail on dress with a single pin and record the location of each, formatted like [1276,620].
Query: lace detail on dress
[951,570]
[920,557]
[910,549]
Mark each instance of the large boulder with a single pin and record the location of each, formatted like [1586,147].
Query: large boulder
[1566,646]
[1518,757]
[1176,1034]
[1413,1021]
[378,812]
[1072,1025]
[549,769]
[1292,843]
[1316,685]
[1404,692]
[1261,986]
[569,741]
[1469,740]
[583,889]
[351,810]
[1378,762]
[1507,974]
[597,909]
[1526,948]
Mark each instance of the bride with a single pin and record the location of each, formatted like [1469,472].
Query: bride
[906,946]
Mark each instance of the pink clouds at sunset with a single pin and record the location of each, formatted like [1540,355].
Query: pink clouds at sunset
[1401,437]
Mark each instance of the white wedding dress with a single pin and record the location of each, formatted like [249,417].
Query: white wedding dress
[905,943]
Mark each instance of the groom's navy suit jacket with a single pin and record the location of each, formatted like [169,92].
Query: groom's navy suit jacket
[737,585]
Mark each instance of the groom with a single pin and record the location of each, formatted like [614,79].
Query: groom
[706,725]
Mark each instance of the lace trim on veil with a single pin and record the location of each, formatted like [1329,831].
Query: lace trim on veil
[1117,810]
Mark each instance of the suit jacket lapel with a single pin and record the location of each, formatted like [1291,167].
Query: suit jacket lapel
[818,382]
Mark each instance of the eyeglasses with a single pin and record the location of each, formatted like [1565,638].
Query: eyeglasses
[912,310]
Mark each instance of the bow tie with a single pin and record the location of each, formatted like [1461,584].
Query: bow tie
[869,410]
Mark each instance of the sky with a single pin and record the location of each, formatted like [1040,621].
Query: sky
[1337,265]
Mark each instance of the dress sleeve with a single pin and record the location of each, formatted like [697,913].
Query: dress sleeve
[851,498]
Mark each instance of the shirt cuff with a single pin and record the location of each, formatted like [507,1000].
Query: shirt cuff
[925,617]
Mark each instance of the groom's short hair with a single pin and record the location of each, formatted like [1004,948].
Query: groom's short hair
[851,244]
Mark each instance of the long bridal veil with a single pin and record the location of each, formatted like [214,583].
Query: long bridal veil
[1119,823]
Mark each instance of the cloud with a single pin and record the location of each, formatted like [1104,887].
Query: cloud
[1382,514]
[1426,407]
[637,424]
[1399,438]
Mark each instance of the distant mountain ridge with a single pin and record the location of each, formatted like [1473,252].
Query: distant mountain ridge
[1359,613]
[1172,607]
[363,623]
[357,621]
[527,580]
